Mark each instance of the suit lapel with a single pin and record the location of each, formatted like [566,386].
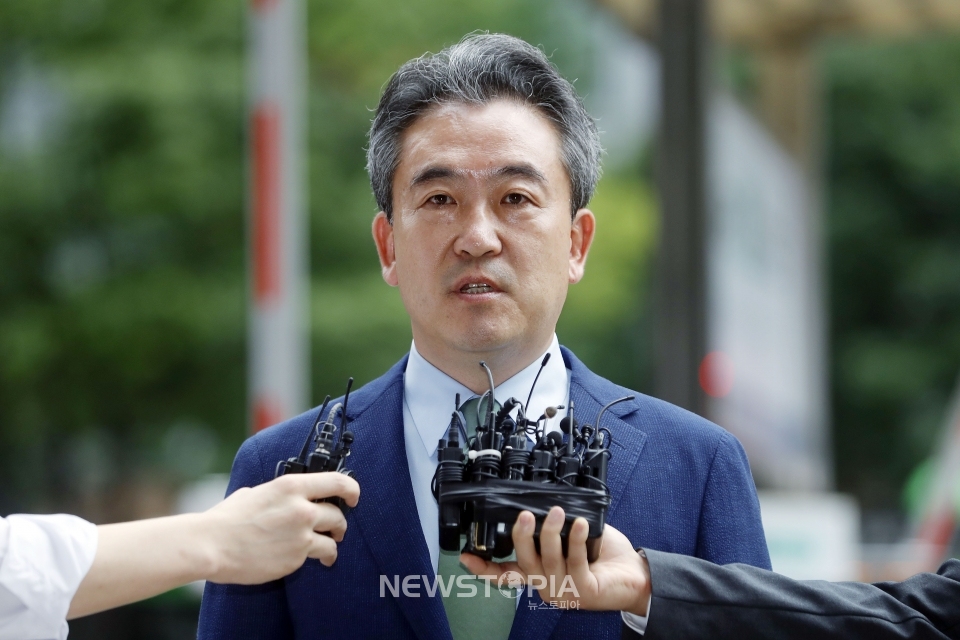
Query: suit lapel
[627,444]
[387,512]
[536,621]
[590,392]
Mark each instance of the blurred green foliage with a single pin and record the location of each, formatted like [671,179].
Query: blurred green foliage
[122,286]
[893,227]
[122,274]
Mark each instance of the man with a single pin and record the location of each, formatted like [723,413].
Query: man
[57,567]
[692,598]
[482,160]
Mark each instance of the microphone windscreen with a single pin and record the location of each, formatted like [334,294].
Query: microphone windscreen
[550,412]
[555,438]
[565,425]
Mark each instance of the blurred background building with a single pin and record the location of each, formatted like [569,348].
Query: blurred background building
[778,245]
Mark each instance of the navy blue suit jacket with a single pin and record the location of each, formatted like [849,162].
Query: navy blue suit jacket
[678,483]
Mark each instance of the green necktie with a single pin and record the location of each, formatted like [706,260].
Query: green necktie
[488,615]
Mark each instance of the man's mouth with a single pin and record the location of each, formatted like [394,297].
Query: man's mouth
[476,288]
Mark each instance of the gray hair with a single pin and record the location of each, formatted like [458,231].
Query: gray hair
[477,70]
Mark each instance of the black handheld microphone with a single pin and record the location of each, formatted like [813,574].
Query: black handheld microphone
[329,452]
[555,440]
[299,463]
[543,363]
[565,426]
[568,466]
[504,412]
[449,469]
[544,455]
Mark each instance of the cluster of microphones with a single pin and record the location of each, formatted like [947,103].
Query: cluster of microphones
[484,481]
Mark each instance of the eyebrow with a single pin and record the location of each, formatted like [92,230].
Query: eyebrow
[433,173]
[522,170]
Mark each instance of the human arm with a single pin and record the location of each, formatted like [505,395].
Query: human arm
[251,612]
[254,536]
[693,598]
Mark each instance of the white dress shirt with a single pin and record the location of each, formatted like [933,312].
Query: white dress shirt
[43,559]
[428,403]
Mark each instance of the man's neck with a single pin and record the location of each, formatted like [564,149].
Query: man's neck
[464,367]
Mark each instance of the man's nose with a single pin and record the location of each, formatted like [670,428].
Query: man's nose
[478,234]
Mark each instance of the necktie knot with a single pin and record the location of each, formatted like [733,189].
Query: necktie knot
[475,413]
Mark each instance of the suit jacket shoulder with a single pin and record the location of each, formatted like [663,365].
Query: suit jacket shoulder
[384,521]
[256,460]
[646,413]
[685,477]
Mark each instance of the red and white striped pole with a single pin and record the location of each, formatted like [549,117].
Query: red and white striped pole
[279,348]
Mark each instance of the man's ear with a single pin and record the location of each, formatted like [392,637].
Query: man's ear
[581,237]
[383,238]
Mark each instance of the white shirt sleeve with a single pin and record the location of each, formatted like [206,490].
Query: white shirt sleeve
[635,622]
[43,559]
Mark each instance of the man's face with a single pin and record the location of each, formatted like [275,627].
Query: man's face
[482,245]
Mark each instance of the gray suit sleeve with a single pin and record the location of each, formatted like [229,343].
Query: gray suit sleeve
[697,599]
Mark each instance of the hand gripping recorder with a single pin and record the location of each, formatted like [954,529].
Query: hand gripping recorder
[329,453]
[482,490]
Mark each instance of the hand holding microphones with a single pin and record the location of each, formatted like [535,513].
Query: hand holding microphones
[267,532]
[255,535]
[619,580]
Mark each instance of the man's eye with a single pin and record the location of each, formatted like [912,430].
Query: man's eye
[515,198]
[440,199]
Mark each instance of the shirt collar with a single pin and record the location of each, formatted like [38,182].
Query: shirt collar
[429,393]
